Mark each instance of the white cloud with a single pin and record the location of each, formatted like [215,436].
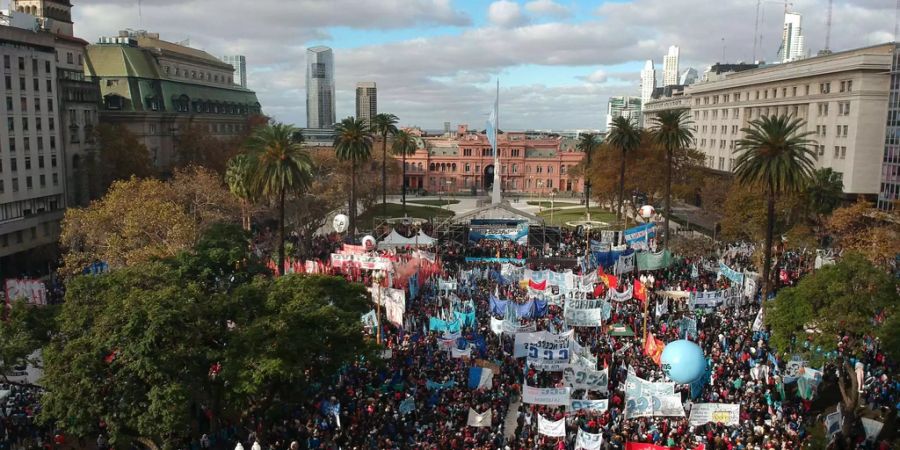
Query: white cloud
[597,76]
[505,13]
[547,8]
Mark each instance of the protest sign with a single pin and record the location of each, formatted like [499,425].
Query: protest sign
[546,396]
[592,380]
[725,413]
[551,428]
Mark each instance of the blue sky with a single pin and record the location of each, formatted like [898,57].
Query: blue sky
[436,60]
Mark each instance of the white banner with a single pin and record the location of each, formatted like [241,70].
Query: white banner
[597,406]
[393,300]
[588,441]
[457,353]
[31,291]
[654,405]
[615,295]
[872,427]
[496,325]
[546,396]
[592,380]
[725,413]
[549,351]
[625,264]
[583,313]
[551,428]
[514,328]
[480,420]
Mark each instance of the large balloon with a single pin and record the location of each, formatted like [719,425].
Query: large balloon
[340,223]
[683,361]
[368,242]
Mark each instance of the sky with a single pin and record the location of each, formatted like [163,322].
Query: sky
[437,61]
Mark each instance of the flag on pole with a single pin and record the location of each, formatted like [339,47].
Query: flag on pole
[480,378]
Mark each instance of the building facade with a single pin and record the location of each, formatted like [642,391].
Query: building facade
[889,192]
[688,76]
[55,16]
[648,81]
[32,166]
[792,45]
[157,90]
[623,106]
[670,66]
[239,62]
[464,163]
[320,111]
[842,97]
[366,101]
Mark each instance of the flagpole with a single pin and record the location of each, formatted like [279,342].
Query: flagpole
[495,191]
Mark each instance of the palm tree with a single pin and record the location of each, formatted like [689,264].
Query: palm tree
[384,124]
[404,144]
[280,166]
[352,142]
[588,143]
[824,191]
[238,177]
[776,156]
[672,131]
[626,136]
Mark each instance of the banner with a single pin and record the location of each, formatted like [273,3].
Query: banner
[512,271]
[725,413]
[600,247]
[548,351]
[872,427]
[480,378]
[514,328]
[407,406]
[594,406]
[641,233]
[625,264]
[654,405]
[833,423]
[31,291]
[499,229]
[367,262]
[638,387]
[551,428]
[583,313]
[654,261]
[617,296]
[588,379]
[370,320]
[479,420]
[640,446]
[733,275]
[713,299]
[496,326]
[433,386]
[456,352]
[436,324]
[546,396]
[588,441]
[495,260]
[653,348]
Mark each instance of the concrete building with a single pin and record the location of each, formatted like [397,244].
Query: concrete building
[792,45]
[842,97]
[688,76]
[463,162]
[158,89]
[648,81]
[239,62]
[32,165]
[366,101]
[670,66]
[619,106]
[320,111]
[889,191]
[54,16]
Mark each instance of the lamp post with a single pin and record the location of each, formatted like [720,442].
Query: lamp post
[377,278]
[647,213]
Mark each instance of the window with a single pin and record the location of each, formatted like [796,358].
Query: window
[37,123]
[846,85]
[70,59]
[10,124]
[25,123]
[821,150]
[51,122]
[837,151]
[42,180]
[737,96]
[46,66]
[9,104]
[843,152]
[41,162]
[824,88]
[27,141]
[21,83]
[515,168]
[721,163]
[784,92]
[12,145]
[15,186]
[714,128]
[823,109]
[27,163]
[6,62]
[28,183]
[49,85]
[50,106]
[843,108]
[52,160]
[36,84]
[21,63]
[807,89]
[794,91]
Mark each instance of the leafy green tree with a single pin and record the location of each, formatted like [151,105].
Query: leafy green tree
[588,143]
[353,142]
[280,166]
[404,145]
[774,155]
[837,300]
[625,136]
[239,178]
[384,124]
[23,330]
[672,131]
[824,191]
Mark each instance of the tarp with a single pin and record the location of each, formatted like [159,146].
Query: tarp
[654,261]
[395,239]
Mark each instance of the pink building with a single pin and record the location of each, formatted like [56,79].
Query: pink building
[464,162]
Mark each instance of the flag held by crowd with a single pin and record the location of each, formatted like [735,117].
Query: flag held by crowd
[480,378]
[479,420]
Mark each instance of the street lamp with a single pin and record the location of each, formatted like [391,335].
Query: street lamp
[377,278]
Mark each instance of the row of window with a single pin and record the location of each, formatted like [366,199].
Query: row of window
[18,236]
[23,105]
[29,207]
[23,85]
[38,124]
[26,141]
[764,94]
[29,184]
[467,167]
[7,65]
[735,113]
[14,163]
[201,75]
[512,183]
[840,130]
[488,152]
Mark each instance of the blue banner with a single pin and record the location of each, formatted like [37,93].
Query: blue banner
[465,319]
[432,386]
[495,260]
[731,274]
[436,324]
[499,229]
[640,233]
[498,307]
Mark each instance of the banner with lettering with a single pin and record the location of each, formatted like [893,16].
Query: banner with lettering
[549,351]
[617,296]
[654,261]
[583,313]
[594,406]
[733,275]
[588,441]
[725,413]
[551,428]
[31,291]
[546,396]
[637,387]
[640,234]
[654,405]
[625,264]
[499,229]
[583,378]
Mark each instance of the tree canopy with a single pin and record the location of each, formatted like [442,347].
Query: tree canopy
[120,156]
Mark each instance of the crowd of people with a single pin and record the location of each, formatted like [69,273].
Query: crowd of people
[418,396]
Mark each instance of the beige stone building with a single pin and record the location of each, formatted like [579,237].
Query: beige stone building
[843,97]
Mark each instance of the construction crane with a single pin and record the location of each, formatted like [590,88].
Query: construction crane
[757,37]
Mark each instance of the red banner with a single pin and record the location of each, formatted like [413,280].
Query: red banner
[653,348]
[537,286]
[638,446]
[640,291]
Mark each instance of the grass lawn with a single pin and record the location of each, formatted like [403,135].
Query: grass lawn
[365,220]
[561,216]
[547,204]
[441,202]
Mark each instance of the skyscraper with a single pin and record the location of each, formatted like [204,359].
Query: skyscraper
[623,106]
[670,67]
[648,81]
[239,62]
[319,87]
[792,45]
[689,76]
[366,101]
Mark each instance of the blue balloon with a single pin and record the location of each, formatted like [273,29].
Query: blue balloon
[683,361]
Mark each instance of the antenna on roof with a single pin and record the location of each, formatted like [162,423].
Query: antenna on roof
[828,28]
[140,15]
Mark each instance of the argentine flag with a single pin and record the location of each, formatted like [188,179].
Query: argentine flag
[480,378]
[489,127]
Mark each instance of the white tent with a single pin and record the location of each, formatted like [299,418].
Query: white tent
[395,239]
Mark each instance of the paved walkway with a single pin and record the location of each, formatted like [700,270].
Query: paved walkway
[512,418]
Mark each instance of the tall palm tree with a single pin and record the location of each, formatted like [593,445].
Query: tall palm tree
[281,166]
[404,144]
[775,155]
[672,131]
[353,142]
[239,178]
[625,136]
[384,124]
[824,191]
[588,143]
